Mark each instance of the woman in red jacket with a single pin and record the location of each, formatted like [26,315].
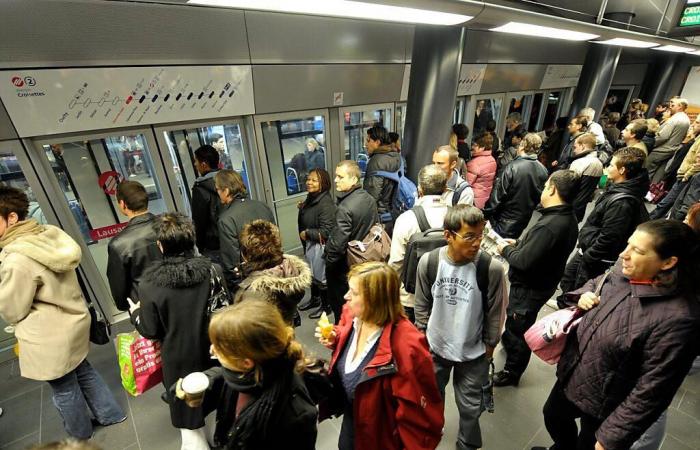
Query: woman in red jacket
[384,365]
[481,169]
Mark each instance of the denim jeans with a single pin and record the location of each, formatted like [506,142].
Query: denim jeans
[664,206]
[78,390]
[467,379]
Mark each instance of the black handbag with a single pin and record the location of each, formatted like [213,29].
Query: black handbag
[100,329]
[218,295]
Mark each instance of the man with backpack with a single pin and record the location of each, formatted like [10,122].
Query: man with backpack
[458,189]
[383,159]
[536,263]
[411,231]
[614,217]
[460,305]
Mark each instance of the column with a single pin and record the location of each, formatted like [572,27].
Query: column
[656,84]
[435,65]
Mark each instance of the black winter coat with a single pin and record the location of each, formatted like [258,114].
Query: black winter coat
[538,259]
[174,296]
[128,255]
[205,211]
[629,356]
[317,216]
[515,196]
[356,213]
[611,223]
[689,196]
[232,218]
[386,159]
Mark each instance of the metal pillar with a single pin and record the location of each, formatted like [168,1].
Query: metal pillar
[435,65]
[657,80]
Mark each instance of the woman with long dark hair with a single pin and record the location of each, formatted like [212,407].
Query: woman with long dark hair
[316,221]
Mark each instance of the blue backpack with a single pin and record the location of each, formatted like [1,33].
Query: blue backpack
[406,194]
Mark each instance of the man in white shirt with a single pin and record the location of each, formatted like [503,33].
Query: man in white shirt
[432,184]
[668,139]
[593,127]
[447,158]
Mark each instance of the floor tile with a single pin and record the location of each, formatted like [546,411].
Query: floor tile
[22,443]
[20,416]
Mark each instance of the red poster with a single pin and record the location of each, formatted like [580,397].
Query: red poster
[108,181]
[107,232]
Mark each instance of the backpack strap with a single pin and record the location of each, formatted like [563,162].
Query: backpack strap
[458,192]
[482,282]
[422,219]
[433,263]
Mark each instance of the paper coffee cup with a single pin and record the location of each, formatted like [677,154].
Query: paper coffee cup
[195,385]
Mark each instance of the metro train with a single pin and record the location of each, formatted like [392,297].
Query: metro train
[97,91]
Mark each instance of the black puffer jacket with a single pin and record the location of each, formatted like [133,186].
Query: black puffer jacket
[356,213]
[515,195]
[317,216]
[205,211]
[385,159]
[538,259]
[612,221]
[689,196]
[628,356]
[128,255]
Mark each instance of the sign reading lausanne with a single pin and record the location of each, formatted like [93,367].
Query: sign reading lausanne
[690,16]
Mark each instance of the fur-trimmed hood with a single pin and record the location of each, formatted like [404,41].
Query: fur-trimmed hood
[292,276]
[179,271]
[51,247]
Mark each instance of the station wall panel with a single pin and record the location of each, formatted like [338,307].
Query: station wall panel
[7,131]
[512,77]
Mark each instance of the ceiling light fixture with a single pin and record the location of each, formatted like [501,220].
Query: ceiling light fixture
[344,8]
[624,42]
[526,29]
[674,48]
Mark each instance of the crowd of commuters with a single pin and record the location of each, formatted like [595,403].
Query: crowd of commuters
[400,328]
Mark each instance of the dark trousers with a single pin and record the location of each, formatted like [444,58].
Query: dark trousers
[560,416]
[576,273]
[664,206]
[336,279]
[410,313]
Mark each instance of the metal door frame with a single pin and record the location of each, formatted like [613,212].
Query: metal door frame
[471,108]
[361,108]
[249,153]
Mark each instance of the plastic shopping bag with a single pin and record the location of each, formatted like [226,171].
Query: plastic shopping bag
[139,362]
[547,337]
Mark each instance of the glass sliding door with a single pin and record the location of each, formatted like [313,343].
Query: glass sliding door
[356,121]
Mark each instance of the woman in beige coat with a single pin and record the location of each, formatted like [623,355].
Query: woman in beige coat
[40,296]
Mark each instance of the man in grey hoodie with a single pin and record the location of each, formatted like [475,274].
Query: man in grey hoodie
[462,325]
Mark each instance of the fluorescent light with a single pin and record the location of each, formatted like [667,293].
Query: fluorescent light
[536,30]
[623,42]
[674,48]
[344,8]
[696,52]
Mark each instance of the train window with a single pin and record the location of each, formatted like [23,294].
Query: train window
[485,110]
[520,103]
[458,114]
[550,111]
[356,124]
[535,112]
[88,172]
[227,141]
[300,146]
[400,118]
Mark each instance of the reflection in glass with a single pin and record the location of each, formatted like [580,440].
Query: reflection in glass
[293,148]
[400,119]
[535,112]
[227,141]
[485,110]
[550,112]
[356,125]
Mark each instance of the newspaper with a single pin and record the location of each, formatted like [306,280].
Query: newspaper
[489,243]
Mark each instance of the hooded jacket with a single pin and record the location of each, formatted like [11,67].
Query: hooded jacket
[381,189]
[205,211]
[286,283]
[397,404]
[589,167]
[174,296]
[629,355]
[612,221]
[481,173]
[40,295]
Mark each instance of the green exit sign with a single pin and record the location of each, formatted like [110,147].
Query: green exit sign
[690,16]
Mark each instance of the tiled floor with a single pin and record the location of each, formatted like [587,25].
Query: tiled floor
[30,417]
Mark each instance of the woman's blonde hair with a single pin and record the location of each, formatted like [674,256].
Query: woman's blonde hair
[253,328]
[379,286]
[652,125]
[314,143]
[531,143]
[231,180]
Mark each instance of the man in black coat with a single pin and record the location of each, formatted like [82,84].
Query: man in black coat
[382,157]
[356,213]
[134,248]
[517,190]
[536,264]
[614,217]
[205,202]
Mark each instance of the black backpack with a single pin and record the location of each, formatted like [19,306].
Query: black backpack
[643,213]
[482,277]
[419,244]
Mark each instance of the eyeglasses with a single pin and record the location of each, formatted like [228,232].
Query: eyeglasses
[469,237]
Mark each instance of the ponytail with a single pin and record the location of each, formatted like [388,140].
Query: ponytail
[294,351]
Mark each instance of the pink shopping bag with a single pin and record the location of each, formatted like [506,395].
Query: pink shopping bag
[148,367]
[547,337]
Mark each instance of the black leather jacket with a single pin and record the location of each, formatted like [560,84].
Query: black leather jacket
[356,213]
[205,210]
[128,255]
[383,159]
[515,196]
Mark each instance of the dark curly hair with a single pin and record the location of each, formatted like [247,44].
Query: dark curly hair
[13,200]
[261,245]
